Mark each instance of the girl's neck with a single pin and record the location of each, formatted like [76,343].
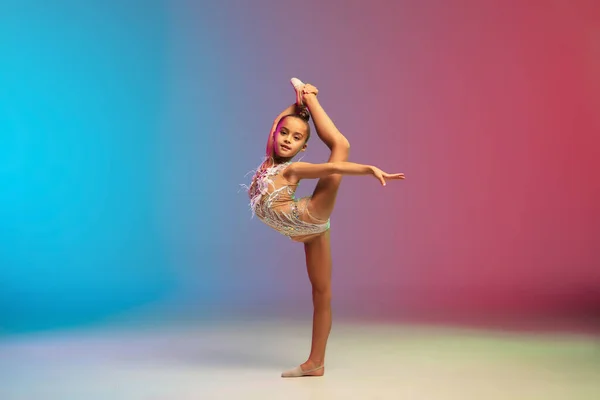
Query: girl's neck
[279,160]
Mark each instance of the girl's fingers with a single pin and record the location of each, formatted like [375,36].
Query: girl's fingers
[308,89]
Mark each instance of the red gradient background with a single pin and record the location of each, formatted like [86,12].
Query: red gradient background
[491,110]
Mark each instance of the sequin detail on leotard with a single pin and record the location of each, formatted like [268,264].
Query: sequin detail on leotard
[278,208]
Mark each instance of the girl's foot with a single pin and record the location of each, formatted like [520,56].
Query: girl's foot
[309,368]
[298,86]
[297,83]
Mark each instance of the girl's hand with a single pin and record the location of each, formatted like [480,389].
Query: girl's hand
[310,89]
[382,176]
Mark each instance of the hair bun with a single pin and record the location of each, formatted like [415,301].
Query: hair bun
[302,112]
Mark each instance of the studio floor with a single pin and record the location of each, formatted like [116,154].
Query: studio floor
[244,361]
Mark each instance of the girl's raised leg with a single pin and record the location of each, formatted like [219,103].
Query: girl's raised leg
[323,199]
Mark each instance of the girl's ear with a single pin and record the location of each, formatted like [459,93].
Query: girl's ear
[304,147]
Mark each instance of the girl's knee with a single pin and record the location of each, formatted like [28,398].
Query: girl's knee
[343,147]
[322,293]
[340,146]
[342,143]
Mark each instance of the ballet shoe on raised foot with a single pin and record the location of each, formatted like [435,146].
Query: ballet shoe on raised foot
[299,372]
[298,85]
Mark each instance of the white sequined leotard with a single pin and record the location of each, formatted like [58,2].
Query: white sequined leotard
[272,200]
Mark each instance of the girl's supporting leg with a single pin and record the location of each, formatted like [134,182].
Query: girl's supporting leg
[318,265]
[318,250]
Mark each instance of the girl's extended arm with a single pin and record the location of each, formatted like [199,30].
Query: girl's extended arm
[290,110]
[302,170]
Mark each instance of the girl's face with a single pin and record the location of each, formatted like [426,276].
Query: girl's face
[290,138]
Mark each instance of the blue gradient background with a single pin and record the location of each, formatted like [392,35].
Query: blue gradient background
[82,116]
[127,127]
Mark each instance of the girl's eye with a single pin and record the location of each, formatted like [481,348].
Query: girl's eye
[297,138]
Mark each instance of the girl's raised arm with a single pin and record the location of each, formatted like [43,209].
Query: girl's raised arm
[302,170]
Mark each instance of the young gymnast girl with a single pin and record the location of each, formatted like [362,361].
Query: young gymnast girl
[306,220]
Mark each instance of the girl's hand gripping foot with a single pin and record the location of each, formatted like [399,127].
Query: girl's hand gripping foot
[302,89]
[307,90]
[310,89]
